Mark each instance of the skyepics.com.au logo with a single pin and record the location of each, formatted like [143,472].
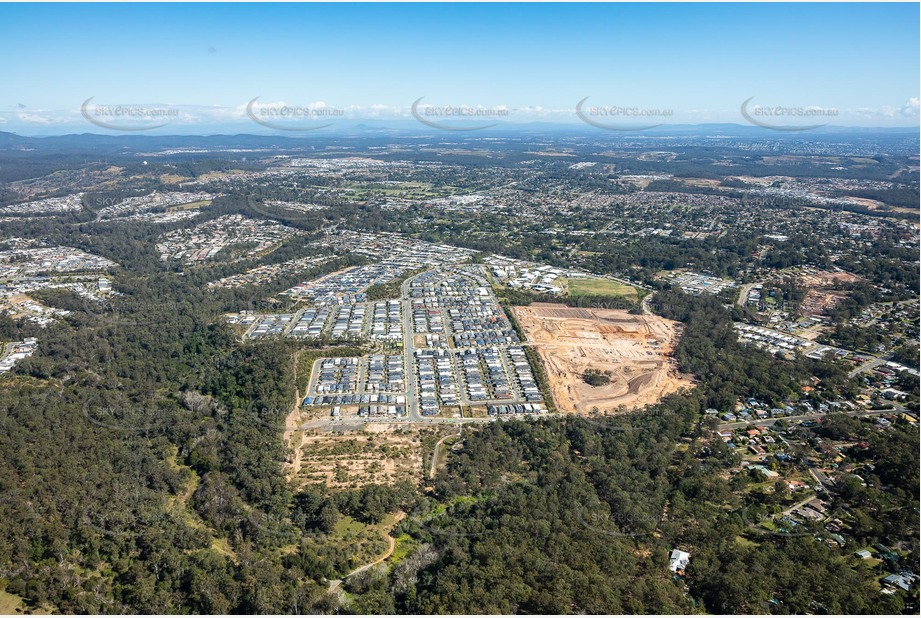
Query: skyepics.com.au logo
[771,117]
[112,308]
[276,418]
[128,117]
[755,200]
[447,526]
[271,525]
[590,303]
[457,117]
[281,117]
[126,416]
[620,118]
[780,524]
[623,420]
[619,523]
[99,203]
[132,518]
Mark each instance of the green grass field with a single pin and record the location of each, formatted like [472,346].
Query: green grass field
[12,605]
[190,205]
[9,603]
[361,542]
[600,287]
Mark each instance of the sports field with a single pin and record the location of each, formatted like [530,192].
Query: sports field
[590,286]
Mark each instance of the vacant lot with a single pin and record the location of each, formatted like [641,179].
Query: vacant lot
[373,453]
[600,287]
[376,453]
[635,349]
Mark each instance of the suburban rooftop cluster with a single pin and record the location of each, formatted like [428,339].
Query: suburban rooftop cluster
[156,200]
[207,239]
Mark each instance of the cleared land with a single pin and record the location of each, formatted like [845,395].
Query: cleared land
[635,349]
[818,302]
[378,453]
[375,453]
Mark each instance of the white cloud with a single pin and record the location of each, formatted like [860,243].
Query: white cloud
[908,109]
[911,107]
[36,118]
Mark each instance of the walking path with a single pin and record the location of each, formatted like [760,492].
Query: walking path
[392,544]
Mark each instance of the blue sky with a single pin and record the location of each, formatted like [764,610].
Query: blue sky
[697,61]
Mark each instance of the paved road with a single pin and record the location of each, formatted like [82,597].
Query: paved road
[743,294]
[351,423]
[312,379]
[412,402]
[7,350]
[362,373]
[798,505]
[820,477]
[876,362]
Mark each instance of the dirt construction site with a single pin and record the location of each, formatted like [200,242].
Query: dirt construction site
[634,350]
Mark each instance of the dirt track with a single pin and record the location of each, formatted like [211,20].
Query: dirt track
[635,349]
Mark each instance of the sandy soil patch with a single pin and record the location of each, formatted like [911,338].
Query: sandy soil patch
[378,453]
[867,202]
[701,182]
[635,349]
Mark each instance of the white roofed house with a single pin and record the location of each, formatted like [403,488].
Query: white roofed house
[678,561]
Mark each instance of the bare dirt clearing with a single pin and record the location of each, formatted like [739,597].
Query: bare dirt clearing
[375,453]
[635,349]
[378,453]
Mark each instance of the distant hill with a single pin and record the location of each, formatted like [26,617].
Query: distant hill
[89,142]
